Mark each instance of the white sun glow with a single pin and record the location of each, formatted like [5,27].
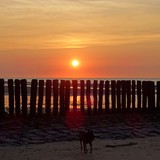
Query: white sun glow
[75,63]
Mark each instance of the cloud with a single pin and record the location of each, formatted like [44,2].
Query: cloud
[77,23]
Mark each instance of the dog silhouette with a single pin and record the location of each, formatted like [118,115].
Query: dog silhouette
[86,137]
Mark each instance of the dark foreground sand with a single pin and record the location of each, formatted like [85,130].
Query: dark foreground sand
[130,149]
[117,136]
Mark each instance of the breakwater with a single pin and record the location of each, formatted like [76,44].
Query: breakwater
[55,97]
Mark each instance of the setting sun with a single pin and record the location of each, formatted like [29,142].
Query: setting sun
[75,63]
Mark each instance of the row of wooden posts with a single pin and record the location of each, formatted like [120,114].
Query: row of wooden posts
[117,96]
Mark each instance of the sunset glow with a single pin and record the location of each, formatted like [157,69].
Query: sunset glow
[110,38]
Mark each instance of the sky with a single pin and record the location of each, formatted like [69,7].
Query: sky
[110,38]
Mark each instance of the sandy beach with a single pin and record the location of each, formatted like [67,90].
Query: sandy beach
[131,149]
[117,137]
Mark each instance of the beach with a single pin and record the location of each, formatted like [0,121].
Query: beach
[117,136]
[79,69]
[131,149]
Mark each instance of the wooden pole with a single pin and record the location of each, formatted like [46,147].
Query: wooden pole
[33,97]
[139,95]
[128,83]
[17,97]
[88,98]
[40,96]
[119,84]
[144,94]
[62,98]
[24,96]
[133,94]
[151,96]
[2,106]
[82,95]
[74,84]
[123,95]
[113,94]
[55,97]
[11,97]
[67,96]
[48,98]
[101,84]
[95,85]
[107,92]
[158,95]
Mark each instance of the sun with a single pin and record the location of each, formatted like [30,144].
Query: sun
[75,63]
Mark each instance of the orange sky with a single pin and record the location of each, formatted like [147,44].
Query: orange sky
[111,39]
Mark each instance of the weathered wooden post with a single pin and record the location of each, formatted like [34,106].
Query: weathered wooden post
[2,106]
[128,83]
[151,96]
[107,93]
[158,95]
[40,96]
[82,94]
[24,96]
[95,85]
[67,96]
[101,84]
[48,97]
[119,85]
[139,86]
[113,94]
[55,97]
[17,97]
[133,94]
[123,95]
[74,84]
[33,97]
[11,96]
[88,98]
[62,98]
[144,94]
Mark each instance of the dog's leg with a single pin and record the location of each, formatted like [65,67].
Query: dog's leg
[90,147]
[85,147]
[81,144]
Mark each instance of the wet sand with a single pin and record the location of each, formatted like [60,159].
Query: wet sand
[131,149]
[117,136]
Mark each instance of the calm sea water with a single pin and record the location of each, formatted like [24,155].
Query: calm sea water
[92,79]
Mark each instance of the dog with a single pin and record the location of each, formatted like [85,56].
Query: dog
[86,137]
